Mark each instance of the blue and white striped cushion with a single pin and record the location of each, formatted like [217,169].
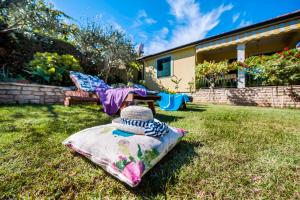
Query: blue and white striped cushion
[87,82]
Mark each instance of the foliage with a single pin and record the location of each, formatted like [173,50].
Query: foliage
[176,81]
[211,70]
[131,69]
[102,50]
[191,85]
[142,82]
[34,17]
[52,68]
[169,91]
[5,74]
[105,48]
[281,68]
[30,26]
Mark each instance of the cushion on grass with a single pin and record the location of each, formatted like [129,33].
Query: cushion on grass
[126,156]
[87,82]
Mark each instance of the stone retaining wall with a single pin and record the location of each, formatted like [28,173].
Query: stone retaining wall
[281,96]
[17,93]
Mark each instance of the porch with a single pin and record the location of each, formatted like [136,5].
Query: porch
[264,41]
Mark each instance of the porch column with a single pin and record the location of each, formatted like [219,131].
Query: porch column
[241,73]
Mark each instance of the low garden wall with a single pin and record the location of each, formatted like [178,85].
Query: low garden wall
[270,96]
[17,93]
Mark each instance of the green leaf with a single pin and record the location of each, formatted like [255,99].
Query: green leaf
[121,164]
[139,153]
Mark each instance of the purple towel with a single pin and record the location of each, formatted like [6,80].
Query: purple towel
[112,99]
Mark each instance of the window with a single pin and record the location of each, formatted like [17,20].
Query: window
[163,67]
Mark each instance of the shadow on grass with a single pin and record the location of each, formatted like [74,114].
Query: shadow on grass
[170,117]
[69,121]
[164,173]
[167,118]
[51,111]
[193,107]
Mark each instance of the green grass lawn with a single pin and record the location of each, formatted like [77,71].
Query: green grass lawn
[230,152]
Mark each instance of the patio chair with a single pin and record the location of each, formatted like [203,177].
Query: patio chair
[85,92]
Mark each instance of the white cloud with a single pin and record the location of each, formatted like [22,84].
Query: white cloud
[118,27]
[143,36]
[158,42]
[142,13]
[245,23]
[150,21]
[190,25]
[142,18]
[236,17]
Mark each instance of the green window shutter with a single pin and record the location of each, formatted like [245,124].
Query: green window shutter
[164,67]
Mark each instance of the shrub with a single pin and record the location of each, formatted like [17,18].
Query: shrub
[211,70]
[53,69]
[281,68]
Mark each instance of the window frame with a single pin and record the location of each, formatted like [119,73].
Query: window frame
[171,66]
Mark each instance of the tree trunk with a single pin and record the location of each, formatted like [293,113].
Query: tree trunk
[107,74]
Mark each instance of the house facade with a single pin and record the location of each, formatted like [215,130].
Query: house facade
[262,38]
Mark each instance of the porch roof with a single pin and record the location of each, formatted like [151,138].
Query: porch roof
[250,35]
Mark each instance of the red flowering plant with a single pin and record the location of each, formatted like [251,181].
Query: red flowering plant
[282,68]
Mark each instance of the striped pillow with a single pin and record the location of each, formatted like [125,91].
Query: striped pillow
[87,82]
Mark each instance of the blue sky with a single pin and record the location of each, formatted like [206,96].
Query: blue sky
[163,24]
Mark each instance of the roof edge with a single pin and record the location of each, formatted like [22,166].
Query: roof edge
[263,23]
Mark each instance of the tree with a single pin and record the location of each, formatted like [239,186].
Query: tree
[118,51]
[104,48]
[34,16]
[90,40]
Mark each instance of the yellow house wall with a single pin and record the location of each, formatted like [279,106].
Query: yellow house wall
[182,66]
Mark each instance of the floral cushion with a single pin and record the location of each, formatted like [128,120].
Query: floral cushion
[87,82]
[126,156]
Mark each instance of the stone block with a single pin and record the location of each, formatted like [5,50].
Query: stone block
[59,93]
[5,96]
[50,93]
[13,92]
[59,90]
[45,89]
[10,87]
[32,88]
[39,93]
[7,101]
[23,101]
[29,97]
[3,91]
[50,101]
[34,101]
[26,92]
